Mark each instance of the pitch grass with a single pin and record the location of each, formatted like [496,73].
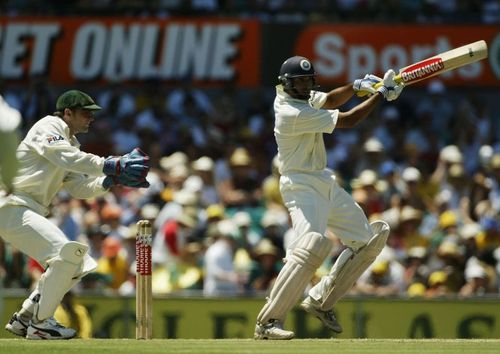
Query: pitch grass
[250,346]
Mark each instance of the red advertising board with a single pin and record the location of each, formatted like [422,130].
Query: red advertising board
[214,51]
[129,49]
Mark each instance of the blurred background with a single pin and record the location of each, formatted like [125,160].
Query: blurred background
[192,84]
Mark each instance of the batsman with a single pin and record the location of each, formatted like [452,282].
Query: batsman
[49,159]
[314,199]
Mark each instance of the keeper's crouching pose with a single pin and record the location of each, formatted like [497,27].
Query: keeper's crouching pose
[49,159]
[314,199]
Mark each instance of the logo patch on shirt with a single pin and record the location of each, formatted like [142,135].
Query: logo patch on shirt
[53,138]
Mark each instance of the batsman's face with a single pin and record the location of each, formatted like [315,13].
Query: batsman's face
[79,120]
[303,86]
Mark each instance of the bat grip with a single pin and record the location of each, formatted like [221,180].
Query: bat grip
[397,79]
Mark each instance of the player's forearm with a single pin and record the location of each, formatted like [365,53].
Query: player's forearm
[357,114]
[72,159]
[83,187]
[338,97]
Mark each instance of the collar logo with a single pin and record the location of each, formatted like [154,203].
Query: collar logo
[53,138]
[305,64]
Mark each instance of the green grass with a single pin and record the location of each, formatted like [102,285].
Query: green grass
[250,346]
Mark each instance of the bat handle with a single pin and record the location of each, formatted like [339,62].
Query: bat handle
[397,78]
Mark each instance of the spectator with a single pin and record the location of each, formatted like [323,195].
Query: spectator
[266,266]
[204,168]
[95,237]
[489,237]
[389,131]
[113,263]
[13,267]
[242,189]
[408,234]
[270,187]
[416,268]
[393,186]
[468,233]
[372,157]
[175,254]
[457,183]
[477,283]
[182,200]
[447,229]
[248,234]
[385,277]
[439,105]
[273,222]
[368,183]
[412,194]
[221,278]
[494,195]
[436,285]
[448,155]
[62,216]
[172,237]
[111,215]
[416,290]
[187,95]
[451,261]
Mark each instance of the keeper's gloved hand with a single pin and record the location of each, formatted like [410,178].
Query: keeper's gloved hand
[365,86]
[134,164]
[126,181]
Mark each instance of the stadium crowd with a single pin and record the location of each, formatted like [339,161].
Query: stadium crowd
[431,170]
[416,11]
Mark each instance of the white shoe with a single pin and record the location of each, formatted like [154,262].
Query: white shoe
[49,329]
[327,317]
[17,326]
[272,330]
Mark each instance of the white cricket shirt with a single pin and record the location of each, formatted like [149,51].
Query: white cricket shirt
[49,159]
[299,128]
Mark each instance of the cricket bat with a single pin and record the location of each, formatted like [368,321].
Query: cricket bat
[441,63]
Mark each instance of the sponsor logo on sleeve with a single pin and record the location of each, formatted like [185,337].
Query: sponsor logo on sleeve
[54,138]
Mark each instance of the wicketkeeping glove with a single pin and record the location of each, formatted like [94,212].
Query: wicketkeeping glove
[365,86]
[390,89]
[134,164]
[126,181]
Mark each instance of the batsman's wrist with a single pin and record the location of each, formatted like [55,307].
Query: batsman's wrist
[383,91]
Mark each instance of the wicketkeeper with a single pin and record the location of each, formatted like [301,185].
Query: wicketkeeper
[49,159]
[314,199]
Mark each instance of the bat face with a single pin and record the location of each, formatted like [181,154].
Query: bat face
[443,62]
[422,70]
[439,64]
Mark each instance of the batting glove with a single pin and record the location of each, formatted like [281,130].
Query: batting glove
[390,89]
[365,86]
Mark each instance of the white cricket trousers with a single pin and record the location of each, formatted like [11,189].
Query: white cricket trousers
[316,202]
[31,233]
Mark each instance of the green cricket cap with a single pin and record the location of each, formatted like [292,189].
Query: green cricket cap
[76,99]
